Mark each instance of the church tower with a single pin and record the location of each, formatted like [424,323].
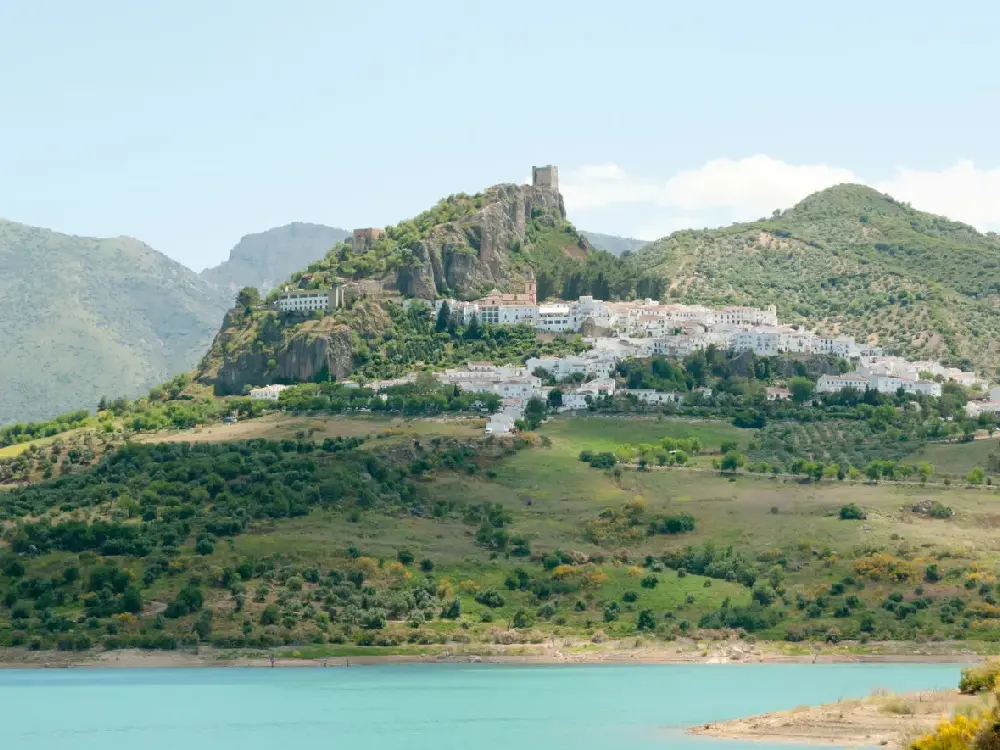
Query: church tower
[529,287]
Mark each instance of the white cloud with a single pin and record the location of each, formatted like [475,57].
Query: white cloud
[962,192]
[726,190]
[750,187]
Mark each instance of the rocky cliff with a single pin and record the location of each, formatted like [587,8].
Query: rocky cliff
[468,256]
[258,349]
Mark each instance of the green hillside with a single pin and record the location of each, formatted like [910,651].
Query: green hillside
[330,535]
[87,317]
[853,260]
[266,259]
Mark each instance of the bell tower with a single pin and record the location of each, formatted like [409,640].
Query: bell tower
[530,288]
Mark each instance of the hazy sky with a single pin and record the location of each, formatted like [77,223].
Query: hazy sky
[188,124]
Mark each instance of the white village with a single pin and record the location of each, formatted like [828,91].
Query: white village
[616,331]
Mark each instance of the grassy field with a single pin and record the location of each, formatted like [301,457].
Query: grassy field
[9,451]
[592,548]
[957,459]
[282,426]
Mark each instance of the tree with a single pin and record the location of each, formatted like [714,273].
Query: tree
[976,476]
[443,317]
[732,461]
[248,297]
[801,389]
[925,471]
[453,611]
[473,331]
[534,412]
[555,398]
[647,620]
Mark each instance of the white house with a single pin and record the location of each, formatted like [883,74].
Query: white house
[575,400]
[778,394]
[596,364]
[309,300]
[975,408]
[267,392]
[523,387]
[923,387]
[500,424]
[835,383]
[650,396]
[555,319]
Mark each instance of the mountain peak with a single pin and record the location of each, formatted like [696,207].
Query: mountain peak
[265,259]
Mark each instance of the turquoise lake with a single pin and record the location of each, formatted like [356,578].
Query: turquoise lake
[418,707]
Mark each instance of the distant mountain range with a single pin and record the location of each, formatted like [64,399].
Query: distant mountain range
[265,259]
[612,243]
[83,317]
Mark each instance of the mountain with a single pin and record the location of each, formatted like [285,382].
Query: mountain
[612,243]
[850,259]
[265,259]
[462,247]
[85,317]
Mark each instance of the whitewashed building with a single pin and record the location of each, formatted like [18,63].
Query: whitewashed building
[268,392]
[310,300]
[651,396]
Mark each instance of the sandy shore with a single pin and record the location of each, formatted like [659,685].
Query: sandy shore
[629,651]
[879,720]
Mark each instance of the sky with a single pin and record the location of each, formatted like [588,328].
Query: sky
[192,123]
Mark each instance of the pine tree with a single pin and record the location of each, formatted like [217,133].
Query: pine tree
[444,315]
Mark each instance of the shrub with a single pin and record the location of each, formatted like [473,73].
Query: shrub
[647,620]
[649,582]
[978,679]
[405,556]
[490,598]
[852,512]
[453,610]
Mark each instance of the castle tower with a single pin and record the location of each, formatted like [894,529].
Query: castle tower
[545,177]
[530,288]
[362,239]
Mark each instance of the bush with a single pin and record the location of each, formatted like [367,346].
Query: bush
[679,524]
[649,582]
[521,619]
[978,679]
[270,615]
[490,598]
[647,620]
[453,611]
[852,512]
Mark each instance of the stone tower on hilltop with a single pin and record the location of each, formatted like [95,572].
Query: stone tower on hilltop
[362,239]
[545,177]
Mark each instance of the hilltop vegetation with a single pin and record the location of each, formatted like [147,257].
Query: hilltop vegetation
[467,244]
[849,259]
[462,247]
[87,317]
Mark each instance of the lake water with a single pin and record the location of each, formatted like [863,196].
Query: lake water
[418,707]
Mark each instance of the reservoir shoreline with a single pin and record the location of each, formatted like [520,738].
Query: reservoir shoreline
[622,652]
